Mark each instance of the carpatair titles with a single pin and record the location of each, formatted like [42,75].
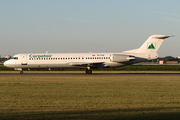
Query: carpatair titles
[151,46]
[39,56]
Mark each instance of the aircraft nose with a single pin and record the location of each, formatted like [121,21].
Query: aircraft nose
[7,64]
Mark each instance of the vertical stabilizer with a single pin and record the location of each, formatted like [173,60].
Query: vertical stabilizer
[152,44]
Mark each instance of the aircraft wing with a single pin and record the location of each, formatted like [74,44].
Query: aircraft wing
[85,63]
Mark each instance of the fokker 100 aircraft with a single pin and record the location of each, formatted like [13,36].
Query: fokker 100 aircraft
[147,51]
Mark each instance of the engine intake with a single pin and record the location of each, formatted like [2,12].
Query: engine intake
[121,58]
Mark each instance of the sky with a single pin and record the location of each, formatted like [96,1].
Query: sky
[56,26]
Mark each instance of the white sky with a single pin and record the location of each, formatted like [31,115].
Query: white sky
[87,25]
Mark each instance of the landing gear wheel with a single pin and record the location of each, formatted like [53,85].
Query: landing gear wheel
[88,71]
[21,72]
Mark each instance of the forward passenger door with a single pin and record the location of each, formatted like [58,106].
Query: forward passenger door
[24,59]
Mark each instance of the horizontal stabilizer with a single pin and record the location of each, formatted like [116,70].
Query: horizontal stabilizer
[162,36]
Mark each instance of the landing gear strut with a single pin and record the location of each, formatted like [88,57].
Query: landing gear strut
[21,72]
[88,71]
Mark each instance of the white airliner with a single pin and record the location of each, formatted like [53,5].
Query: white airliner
[147,51]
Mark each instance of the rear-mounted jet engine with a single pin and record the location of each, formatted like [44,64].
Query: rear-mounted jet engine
[121,58]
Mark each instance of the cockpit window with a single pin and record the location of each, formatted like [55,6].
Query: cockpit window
[15,58]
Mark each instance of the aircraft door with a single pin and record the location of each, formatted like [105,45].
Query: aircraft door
[24,59]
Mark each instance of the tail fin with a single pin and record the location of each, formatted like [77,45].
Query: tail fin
[152,44]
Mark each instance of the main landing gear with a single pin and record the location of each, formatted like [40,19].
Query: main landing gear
[88,71]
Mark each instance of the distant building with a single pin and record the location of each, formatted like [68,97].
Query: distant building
[7,56]
[171,61]
[161,62]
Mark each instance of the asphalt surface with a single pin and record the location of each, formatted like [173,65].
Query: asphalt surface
[94,74]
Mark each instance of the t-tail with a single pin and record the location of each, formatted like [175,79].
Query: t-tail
[152,44]
[150,47]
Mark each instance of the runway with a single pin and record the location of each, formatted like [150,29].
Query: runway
[94,74]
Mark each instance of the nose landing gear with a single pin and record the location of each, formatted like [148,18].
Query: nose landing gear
[21,72]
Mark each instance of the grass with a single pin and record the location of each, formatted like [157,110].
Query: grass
[90,97]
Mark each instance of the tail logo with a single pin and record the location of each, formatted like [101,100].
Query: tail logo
[151,46]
